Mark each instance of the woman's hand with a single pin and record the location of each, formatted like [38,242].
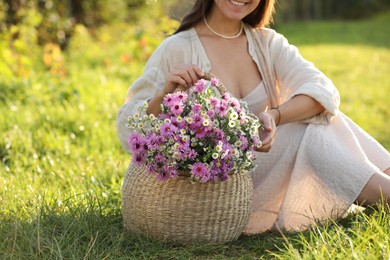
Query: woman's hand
[267,135]
[185,75]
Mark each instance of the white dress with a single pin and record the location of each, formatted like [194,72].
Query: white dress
[316,168]
[312,172]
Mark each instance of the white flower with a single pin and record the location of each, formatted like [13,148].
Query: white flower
[233,116]
[183,131]
[232,124]
[167,120]
[206,123]
[236,153]
[215,156]
[179,119]
[189,120]
[218,148]
[140,125]
[136,115]
[238,143]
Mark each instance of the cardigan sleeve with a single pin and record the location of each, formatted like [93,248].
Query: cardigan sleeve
[141,90]
[296,76]
[173,50]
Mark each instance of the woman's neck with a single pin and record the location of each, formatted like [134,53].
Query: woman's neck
[222,24]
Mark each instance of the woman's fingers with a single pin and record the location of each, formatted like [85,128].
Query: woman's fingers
[185,75]
[266,134]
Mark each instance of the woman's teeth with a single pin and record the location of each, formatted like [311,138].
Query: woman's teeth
[236,3]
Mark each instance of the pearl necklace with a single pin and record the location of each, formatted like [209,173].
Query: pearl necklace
[221,35]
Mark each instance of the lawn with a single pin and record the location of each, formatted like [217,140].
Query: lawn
[62,166]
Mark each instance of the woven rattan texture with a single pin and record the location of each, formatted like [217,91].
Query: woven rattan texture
[181,212]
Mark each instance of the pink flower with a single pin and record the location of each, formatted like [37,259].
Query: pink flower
[211,113]
[214,81]
[196,108]
[182,96]
[214,101]
[200,170]
[170,99]
[226,96]
[177,108]
[235,103]
[221,109]
[200,86]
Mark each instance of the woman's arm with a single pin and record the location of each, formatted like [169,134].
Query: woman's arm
[298,108]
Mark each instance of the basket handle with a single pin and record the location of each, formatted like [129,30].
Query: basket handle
[220,87]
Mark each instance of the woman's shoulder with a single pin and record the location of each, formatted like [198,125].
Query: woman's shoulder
[178,42]
[268,34]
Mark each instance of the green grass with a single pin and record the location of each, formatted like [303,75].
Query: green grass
[62,166]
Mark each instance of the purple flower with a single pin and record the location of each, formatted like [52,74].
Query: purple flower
[168,129]
[138,159]
[244,142]
[153,141]
[192,154]
[137,143]
[219,134]
[175,122]
[201,132]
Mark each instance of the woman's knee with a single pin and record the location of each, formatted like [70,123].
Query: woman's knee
[376,190]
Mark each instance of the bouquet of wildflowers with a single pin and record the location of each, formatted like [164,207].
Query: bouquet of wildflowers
[204,133]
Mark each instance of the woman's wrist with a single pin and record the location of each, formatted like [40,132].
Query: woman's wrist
[275,112]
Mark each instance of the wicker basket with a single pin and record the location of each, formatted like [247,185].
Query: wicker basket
[181,212]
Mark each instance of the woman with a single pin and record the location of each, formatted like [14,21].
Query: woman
[320,162]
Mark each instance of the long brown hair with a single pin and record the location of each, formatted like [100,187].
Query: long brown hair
[260,17]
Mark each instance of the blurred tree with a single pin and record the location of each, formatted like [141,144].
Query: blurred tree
[60,16]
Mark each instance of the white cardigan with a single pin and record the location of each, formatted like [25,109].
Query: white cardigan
[284,71]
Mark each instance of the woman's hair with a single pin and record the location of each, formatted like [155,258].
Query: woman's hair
[261,16]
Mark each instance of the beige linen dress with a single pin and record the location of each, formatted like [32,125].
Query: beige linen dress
[316,168]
